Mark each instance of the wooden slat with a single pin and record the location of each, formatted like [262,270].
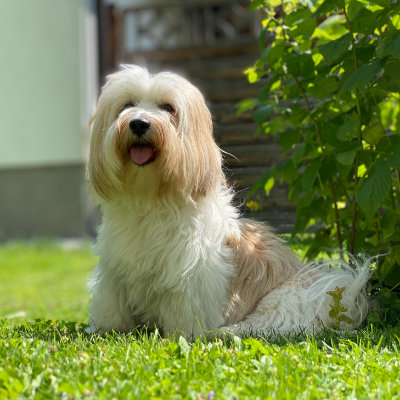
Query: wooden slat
[178,3]
[225,113]
[238,134]
[181,55]
[208,68]
[221,96]
[225,70]
[212,85]
[276,198]
[199,69]
[281,221]
[253,154]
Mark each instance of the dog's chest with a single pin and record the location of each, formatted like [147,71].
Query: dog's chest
[170,268]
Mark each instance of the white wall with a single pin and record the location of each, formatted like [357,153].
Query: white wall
[41,97]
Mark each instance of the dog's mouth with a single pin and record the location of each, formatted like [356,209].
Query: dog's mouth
[142,153]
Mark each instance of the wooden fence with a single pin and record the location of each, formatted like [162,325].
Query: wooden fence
[211,43]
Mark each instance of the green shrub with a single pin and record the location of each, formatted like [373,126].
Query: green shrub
[331,74]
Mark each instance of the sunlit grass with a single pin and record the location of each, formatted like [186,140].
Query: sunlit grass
[43,279]
[53,357]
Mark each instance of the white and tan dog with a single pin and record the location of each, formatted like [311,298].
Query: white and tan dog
[173,251]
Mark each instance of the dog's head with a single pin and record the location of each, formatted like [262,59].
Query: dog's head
[151,134]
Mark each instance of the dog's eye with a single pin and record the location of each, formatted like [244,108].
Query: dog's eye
[168,108]
[127,105]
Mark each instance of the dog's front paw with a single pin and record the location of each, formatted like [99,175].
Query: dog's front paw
[91,328]
[225,332]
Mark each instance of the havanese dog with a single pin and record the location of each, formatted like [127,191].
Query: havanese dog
[174,251]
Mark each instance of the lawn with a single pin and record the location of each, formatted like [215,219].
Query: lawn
[45,353]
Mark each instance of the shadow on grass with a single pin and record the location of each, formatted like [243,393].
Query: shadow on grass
[46,330]
[59,331]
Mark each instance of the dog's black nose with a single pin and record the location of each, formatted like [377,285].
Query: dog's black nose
[139,126]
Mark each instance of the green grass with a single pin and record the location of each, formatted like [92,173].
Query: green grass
[53,358]
[41,279]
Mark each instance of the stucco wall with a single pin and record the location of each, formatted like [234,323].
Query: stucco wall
[40,96]
[48,88]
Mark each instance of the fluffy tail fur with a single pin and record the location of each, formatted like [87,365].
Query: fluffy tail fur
[328,276]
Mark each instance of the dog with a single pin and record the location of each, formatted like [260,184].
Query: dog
[174,251]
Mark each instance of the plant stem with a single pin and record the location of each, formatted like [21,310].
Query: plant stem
[283,19]
[331,186]
[318,134]
[359,140]
[354,208]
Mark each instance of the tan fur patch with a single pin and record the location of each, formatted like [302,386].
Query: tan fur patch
[262,264]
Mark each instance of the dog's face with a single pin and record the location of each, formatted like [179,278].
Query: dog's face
[151,134]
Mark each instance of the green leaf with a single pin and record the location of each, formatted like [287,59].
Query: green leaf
[252,74]
[373,133]
[392,69]
[262,40]
[375,188]
[353,8]
[272,85]
[269,185]
[334,50]
[297,114]
[330,129]
[301,22]
[275,56]
[295,191]
[393,161]
[328,168]
[322,86]
[261,182]
[394,47]
[258,4]
[327,6]
[291,90]
[299,153]
[296,17]
[390,270]
[288,139]
[365,21]
[346,158]
[310,174]
[382,3]
[360,78]
[303,217]
[264,53]
[262,113]
[276,125]
[305,29]
[391,145]
[288,171]
[299,64]
[349,129]
[388,44]
[246,105]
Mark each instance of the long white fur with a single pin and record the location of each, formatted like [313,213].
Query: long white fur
[173,251]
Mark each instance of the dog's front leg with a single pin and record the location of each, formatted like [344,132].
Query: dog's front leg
[109,310]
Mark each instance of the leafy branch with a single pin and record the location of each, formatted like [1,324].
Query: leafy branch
[332,99]
[337,310]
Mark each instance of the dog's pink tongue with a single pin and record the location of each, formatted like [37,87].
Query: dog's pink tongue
[141,154]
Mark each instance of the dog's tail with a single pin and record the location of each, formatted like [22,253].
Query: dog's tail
[337,291]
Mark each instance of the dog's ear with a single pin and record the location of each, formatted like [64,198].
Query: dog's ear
[100,182]
[191,160]
[203,157]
